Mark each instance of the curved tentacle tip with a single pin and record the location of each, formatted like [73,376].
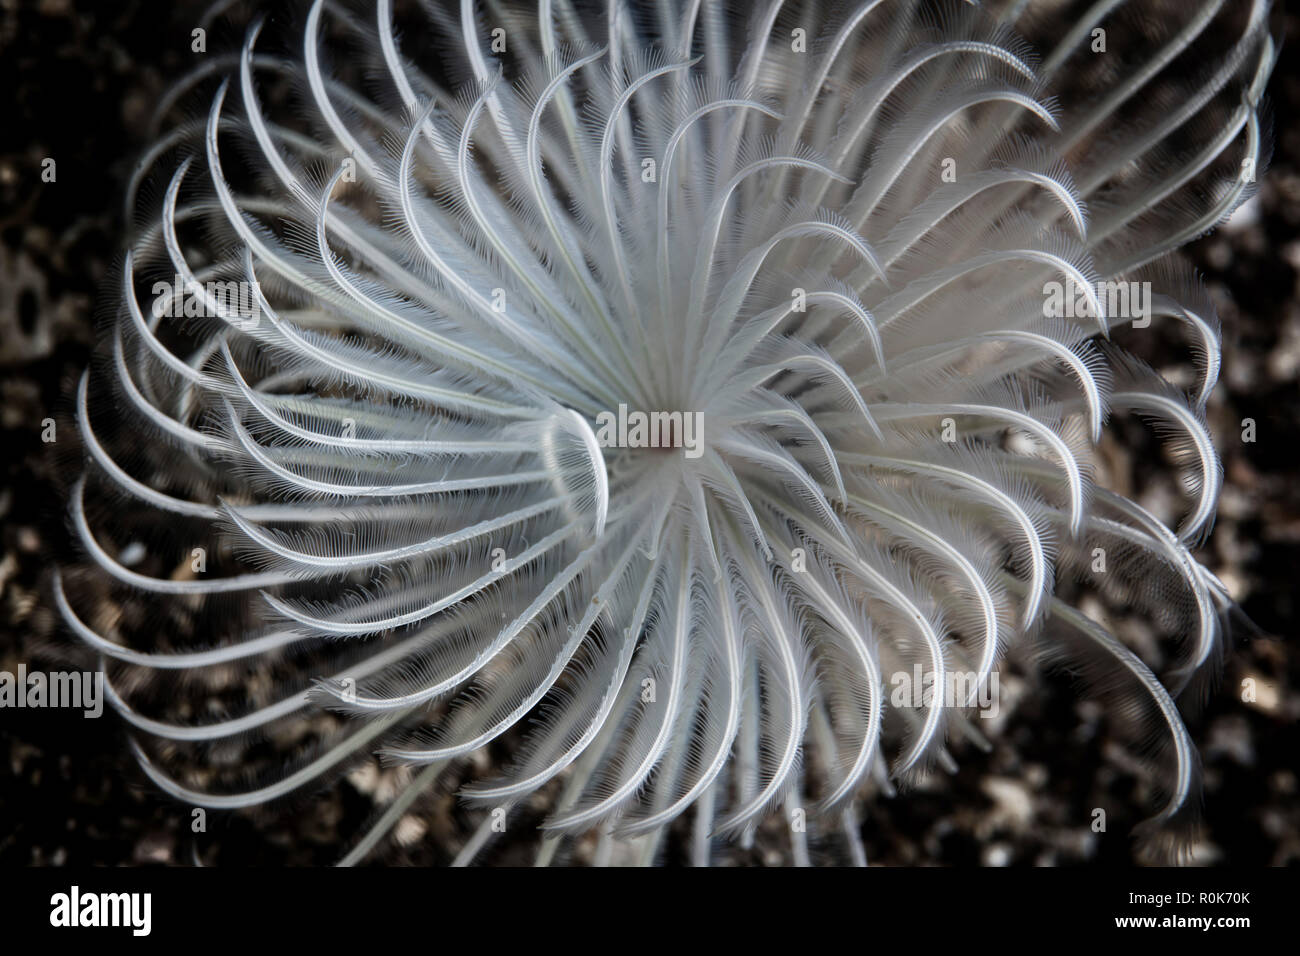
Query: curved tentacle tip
[573,457]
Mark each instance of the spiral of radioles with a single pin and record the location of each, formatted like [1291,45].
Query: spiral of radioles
[350,480]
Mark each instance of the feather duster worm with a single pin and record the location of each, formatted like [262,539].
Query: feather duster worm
[655,387]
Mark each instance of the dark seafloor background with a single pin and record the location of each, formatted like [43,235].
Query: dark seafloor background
[78,81]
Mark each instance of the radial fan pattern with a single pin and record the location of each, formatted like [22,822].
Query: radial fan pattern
[644,394]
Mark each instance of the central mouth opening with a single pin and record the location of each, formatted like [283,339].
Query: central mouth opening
[657,430]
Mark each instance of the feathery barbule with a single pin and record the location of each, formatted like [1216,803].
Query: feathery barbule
[657,389]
